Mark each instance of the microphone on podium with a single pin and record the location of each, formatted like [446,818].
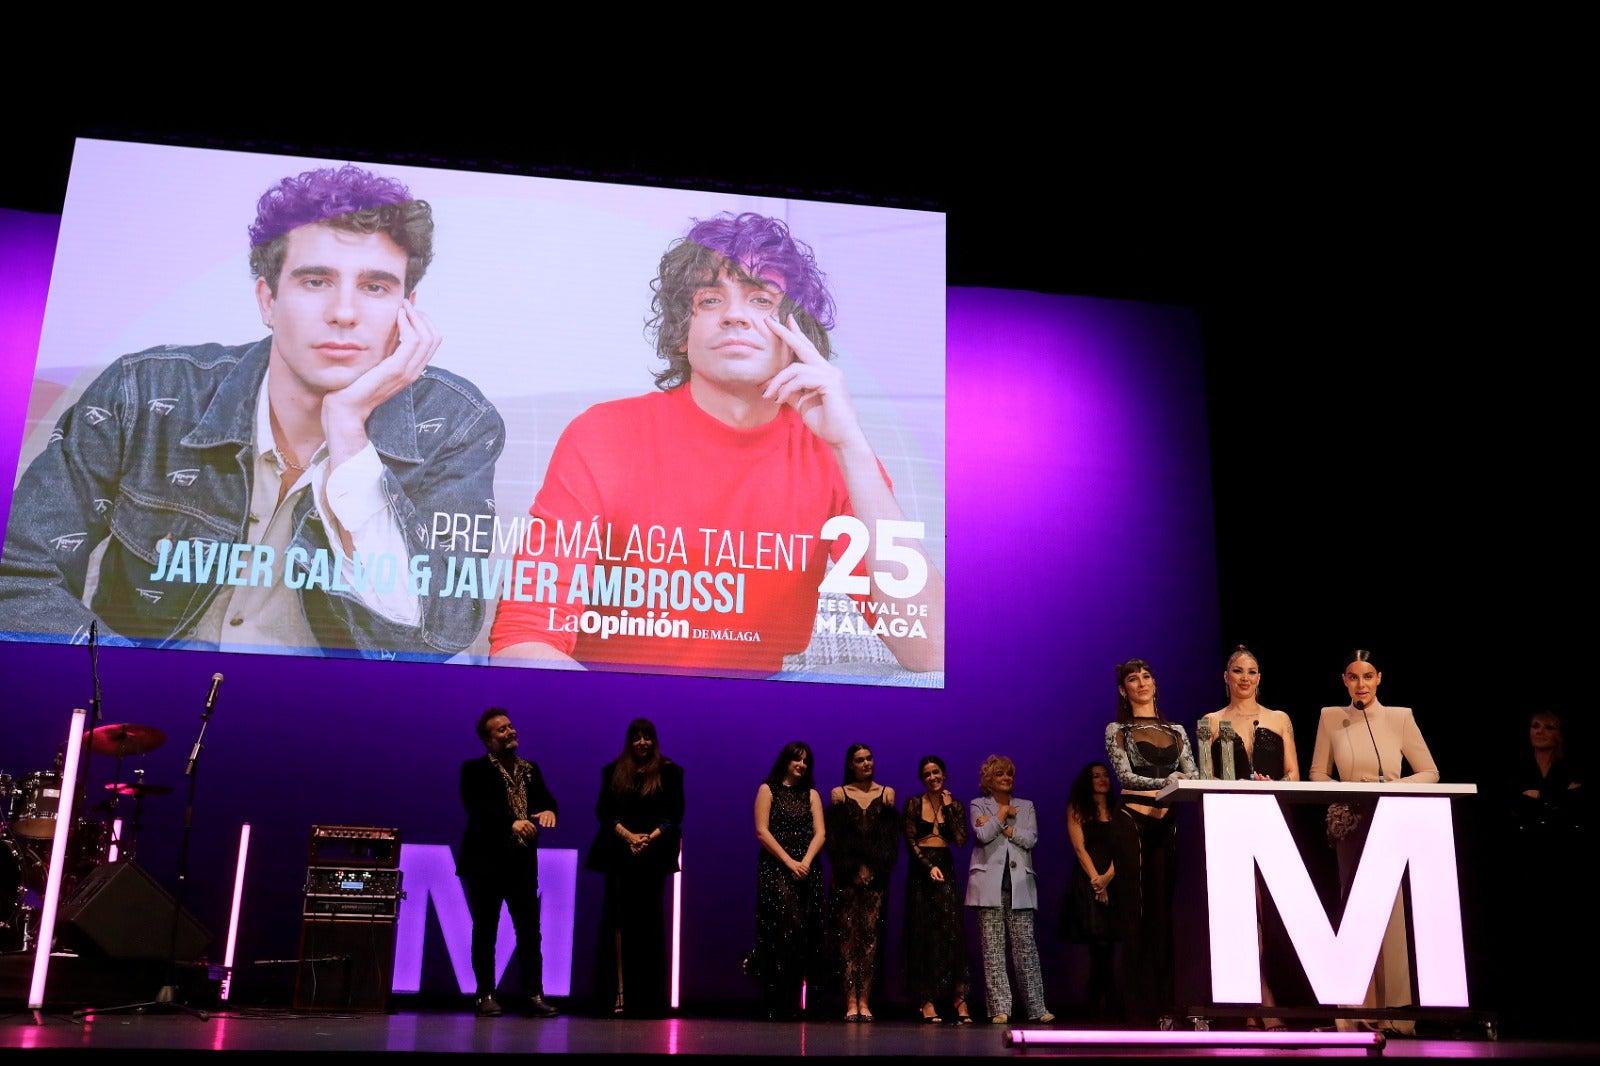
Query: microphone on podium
[1360,705]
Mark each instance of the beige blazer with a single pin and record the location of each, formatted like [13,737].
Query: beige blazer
[1395,743]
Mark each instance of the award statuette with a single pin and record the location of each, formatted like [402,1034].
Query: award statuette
[1226,734]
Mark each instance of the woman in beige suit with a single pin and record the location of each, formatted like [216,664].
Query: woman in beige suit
[1367,741]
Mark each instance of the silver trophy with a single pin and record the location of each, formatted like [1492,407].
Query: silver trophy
[1227,735]
[1202,734]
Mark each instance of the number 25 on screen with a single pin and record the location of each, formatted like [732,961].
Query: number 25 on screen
[842,577]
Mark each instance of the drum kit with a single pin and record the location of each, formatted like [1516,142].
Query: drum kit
[31,817]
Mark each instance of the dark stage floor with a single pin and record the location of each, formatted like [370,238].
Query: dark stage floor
[261,1020]
[437,1032]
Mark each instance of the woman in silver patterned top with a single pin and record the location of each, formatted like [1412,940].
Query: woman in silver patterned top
[1147,751]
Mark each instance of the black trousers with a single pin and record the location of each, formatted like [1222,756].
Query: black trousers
[517,886]
[1154,980]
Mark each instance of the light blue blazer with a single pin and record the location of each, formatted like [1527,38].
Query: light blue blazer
[993,852]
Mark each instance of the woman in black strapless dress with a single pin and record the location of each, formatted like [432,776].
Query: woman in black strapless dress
[1263,750]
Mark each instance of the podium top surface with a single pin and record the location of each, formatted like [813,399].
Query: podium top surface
[1309,791]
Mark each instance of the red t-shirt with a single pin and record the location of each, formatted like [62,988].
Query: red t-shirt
[670,540]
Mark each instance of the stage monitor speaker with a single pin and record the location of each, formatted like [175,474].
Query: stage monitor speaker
[345,965]
[121,910]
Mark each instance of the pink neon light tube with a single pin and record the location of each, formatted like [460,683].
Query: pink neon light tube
[233,911]
[677,925]
[58,860]
[1159,1039]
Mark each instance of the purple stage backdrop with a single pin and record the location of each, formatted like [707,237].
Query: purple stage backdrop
[1079,533]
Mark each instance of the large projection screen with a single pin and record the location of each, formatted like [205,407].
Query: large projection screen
[722,537]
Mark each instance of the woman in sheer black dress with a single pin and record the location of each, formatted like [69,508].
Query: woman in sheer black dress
[935,936]
[640,810]
[1147,752]
[1263,750]
[789,895]
[863,835]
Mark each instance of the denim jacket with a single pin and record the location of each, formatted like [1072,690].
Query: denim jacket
[161,445]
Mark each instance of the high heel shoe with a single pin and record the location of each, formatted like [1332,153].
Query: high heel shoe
[930,1014]
[962,1017]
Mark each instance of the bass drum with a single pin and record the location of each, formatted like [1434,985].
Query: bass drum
[38,798]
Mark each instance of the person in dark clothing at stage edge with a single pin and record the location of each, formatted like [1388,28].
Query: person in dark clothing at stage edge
[508,806]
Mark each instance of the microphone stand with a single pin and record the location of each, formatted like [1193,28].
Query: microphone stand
[1361,705]
[167,998]
[76,815]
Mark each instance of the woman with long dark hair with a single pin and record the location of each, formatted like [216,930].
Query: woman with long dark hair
[1101,910]
[1148,752]
[640,810]
[863,835]
[935,825]
[789,896]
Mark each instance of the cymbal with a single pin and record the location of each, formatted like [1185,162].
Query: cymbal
[124,739]
[134,788]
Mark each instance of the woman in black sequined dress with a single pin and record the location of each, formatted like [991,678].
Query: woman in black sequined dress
[789,896]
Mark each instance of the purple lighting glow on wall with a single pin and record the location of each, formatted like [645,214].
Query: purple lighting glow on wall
[1078,532]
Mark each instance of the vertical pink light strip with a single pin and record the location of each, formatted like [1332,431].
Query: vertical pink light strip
[677,925]
[58,860]
[233,912]
[116,835]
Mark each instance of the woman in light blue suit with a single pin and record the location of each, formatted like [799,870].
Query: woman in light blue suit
[1000,884]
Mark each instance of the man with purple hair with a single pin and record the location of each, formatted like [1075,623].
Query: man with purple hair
[269,496]
[689,529]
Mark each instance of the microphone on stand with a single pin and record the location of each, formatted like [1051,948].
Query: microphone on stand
[205,719]
[1361,706]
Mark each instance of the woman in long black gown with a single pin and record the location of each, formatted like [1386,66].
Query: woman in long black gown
[640,810]
[863,838]
[789,896]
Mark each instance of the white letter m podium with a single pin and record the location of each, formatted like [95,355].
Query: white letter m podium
[1411,838]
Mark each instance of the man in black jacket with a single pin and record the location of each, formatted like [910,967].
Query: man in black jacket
[507,805]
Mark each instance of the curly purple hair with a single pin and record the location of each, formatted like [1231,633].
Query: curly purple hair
[347,198]
[749,247]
